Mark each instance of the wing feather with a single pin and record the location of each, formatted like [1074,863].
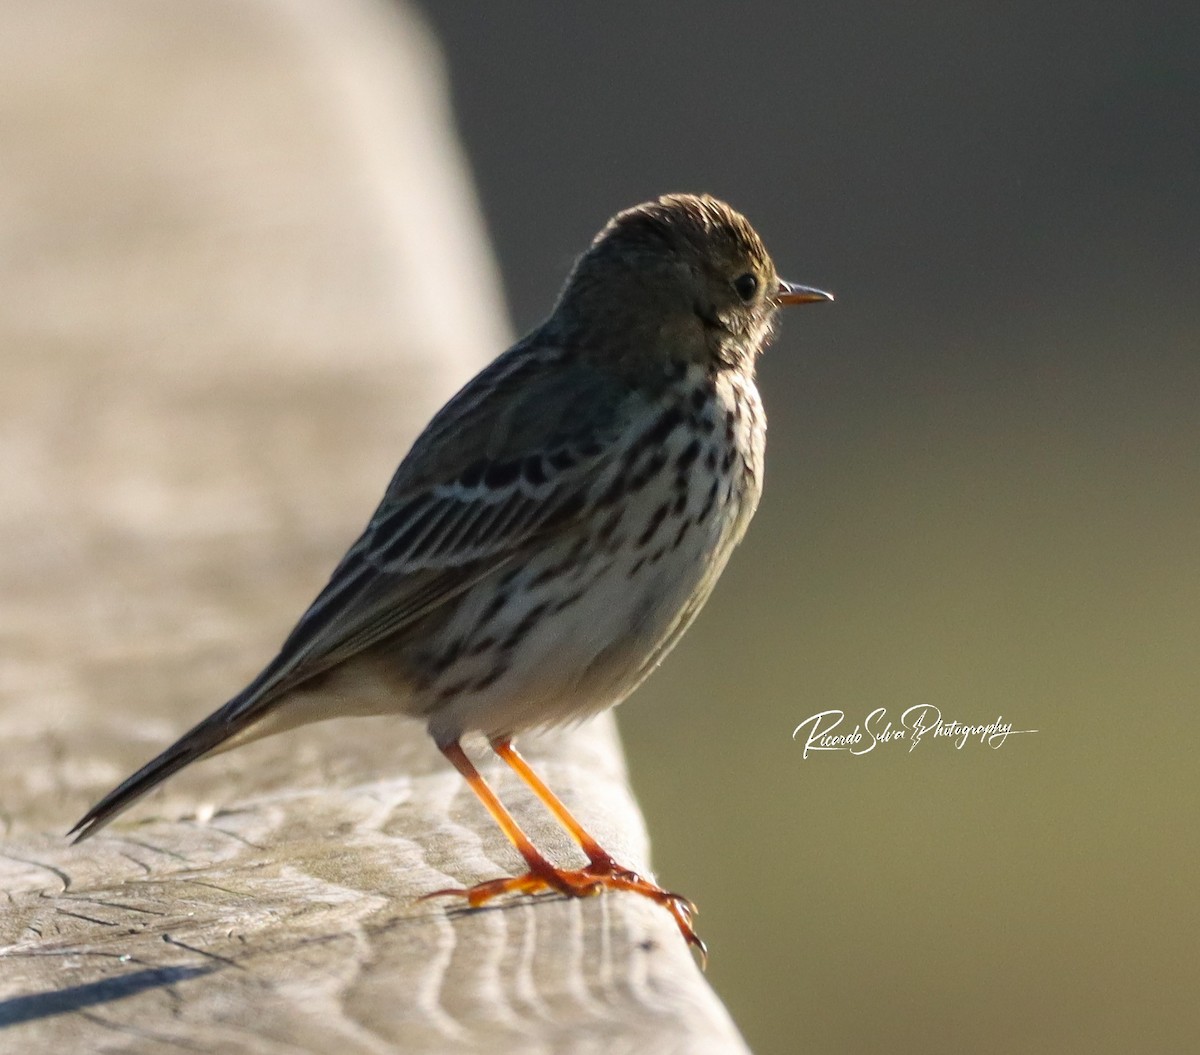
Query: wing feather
[511,461]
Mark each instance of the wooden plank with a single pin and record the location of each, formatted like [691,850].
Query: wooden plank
[228,306]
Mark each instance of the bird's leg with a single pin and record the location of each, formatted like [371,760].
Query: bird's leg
[601,865]
[542,875]
[598,857]
[601,872]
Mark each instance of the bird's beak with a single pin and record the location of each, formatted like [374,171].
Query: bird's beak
[790,293]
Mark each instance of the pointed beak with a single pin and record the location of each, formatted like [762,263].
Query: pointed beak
[790,293]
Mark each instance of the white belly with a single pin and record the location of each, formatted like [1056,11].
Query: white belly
[587,636]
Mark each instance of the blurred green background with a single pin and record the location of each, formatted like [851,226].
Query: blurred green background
[982,493]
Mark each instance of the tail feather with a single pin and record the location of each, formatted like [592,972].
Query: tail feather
[201,740]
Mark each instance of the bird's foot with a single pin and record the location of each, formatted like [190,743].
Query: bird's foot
[600,874]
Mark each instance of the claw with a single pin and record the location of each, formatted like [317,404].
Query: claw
[594,879]
[447,892]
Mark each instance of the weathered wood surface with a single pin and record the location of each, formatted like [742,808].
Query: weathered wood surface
[240,266]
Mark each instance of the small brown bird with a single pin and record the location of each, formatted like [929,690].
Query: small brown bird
[552,532]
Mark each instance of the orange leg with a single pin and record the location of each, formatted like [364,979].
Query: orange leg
[595,852]
[601,872]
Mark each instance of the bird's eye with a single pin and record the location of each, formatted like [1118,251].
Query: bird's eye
[746,286]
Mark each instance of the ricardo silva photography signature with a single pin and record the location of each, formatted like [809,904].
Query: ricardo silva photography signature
[826,731]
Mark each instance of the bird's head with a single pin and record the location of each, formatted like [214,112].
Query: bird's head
[683,279]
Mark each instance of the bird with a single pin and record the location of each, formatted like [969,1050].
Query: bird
[552,532]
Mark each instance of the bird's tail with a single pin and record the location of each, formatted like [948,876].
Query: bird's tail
[210,736]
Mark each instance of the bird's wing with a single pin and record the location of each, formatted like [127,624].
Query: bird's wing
[508,462]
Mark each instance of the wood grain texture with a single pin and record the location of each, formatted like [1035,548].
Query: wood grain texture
[227,228]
